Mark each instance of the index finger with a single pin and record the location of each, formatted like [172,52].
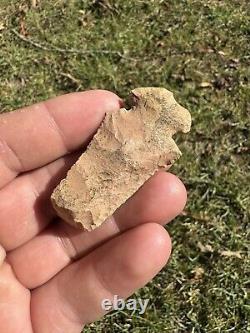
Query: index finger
[36,135]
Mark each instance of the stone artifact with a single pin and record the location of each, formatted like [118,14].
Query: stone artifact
[128,148]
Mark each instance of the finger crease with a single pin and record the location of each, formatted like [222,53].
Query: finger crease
[67,245]
[6,148]
[50,174]
[102,281]
[33,188]
[56,126]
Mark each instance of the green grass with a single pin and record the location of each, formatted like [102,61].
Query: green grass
[182,45]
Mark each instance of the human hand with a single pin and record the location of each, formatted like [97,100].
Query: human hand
[54,276]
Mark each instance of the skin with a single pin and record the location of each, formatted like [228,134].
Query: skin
[52,276]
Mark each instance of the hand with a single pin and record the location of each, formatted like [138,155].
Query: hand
[54,277]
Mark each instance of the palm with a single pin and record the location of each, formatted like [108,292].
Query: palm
[54,276]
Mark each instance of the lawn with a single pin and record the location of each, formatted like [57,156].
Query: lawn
[200,50]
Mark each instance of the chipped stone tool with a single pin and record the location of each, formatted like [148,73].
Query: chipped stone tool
[128,148]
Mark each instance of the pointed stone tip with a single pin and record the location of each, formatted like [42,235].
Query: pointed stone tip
[187,121]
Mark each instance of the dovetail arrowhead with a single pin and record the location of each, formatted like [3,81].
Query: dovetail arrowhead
[127,149]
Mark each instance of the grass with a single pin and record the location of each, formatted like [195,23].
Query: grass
[199,50]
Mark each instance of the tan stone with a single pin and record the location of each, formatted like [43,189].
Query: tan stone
[128,148]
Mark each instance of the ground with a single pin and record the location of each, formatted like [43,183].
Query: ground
[199,50]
